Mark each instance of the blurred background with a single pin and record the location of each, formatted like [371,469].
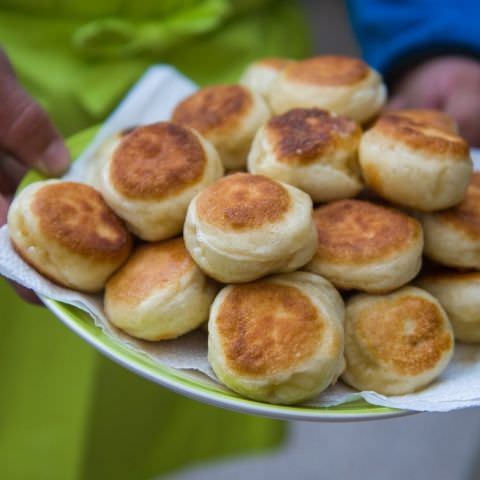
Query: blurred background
[330,27]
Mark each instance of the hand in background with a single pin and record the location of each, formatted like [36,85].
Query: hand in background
[451,84]
[27,140]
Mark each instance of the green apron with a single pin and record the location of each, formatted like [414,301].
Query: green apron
[65,411]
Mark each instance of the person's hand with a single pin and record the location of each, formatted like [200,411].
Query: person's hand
[451,84]
[27,140]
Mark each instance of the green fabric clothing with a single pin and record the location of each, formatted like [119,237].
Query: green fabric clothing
[79,66]
[66,412]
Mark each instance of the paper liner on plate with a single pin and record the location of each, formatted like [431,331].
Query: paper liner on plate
[153,99]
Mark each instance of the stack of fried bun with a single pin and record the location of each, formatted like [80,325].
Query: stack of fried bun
[269,210]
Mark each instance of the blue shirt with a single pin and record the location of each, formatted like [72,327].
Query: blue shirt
[397,33]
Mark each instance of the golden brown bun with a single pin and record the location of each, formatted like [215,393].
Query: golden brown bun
[153,173]
[432,118]
[159,293]
[279,339]
[67,232]
[310,149]
[228,116]
[397,343]
[246,226]
[452,237]
[260,74]
[414,164]
[93,173]
[459,294]
[366,246]
[344,85]
[248,202]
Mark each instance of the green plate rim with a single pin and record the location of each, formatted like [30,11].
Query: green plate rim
[81,323]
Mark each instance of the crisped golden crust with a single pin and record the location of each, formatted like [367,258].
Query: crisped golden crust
[151,267]
[217,109]
[267,328]
[157,161]
[275,63]
[243,201]
[354,231]
[423,137]
[432,118]
[300,135]
[465,217]
[328,70]
[75,216]
[405,332]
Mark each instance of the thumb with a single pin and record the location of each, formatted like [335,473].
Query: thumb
[28,134]
[25,129]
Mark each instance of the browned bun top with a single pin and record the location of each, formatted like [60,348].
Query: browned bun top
[354,231]
[407,332]
[156,161]
[328,70]
[274,63]
[151,267]
[75,216]
[422,136]
[433,118]
[243,201]
[266,328]
[218,108]
[465,217]
[300,135]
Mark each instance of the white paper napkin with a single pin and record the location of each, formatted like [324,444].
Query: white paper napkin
[152,99]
